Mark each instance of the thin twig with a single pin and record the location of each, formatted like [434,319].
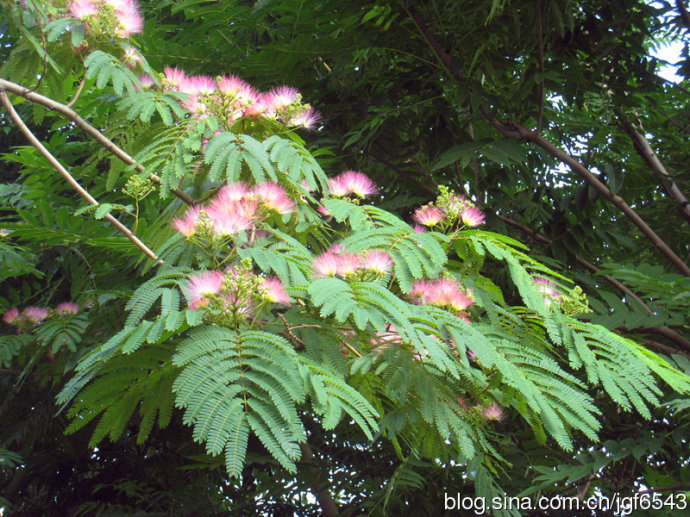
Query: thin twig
[78,92]
[87,128]
[291,335]
[4,99]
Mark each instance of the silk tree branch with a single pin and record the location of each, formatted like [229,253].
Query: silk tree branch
[642,147]
[517,131]
[4,99]
[68,112]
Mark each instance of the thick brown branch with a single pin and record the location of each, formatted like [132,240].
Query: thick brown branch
[86,127]
[436,47]
[320,487]
[518,132]
[4,99]
[664,331]
[642,147]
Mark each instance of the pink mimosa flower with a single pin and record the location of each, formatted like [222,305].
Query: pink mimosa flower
[187,224]
[336,247]
[307,118]
[337,187]
[233,203]
[418,228]
[82,8]
[326,264]
[130,23]
[34,314]
[193,104]
[232,192]
[12,316]
[445,292]
[227,222]
[131,57]
[174,77]
[357,183]
[420,291]
[232,85]
[441,292]
[281,97]
[197,84]
[256,105]
[472,216]
[428,215]
[493,412]
[66,308]
[201,286]
[146,81]
[273,290]
[378,261]
[348,263]
[274,197]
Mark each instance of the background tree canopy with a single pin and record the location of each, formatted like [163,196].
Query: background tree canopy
[545,352]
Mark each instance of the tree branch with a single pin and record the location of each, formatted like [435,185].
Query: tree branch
[65,110]
[443,56]
[4,99]
[518,132]
[642,147]
[319,488]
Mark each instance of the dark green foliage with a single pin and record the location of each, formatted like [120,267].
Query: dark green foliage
[173,413]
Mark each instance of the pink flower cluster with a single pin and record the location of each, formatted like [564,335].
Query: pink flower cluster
[239,292]
[32,316]
[493,412]
[448,210]
[127,19]
[352,182]
[232,98]
[442,292]
[336,262]
[236,208]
